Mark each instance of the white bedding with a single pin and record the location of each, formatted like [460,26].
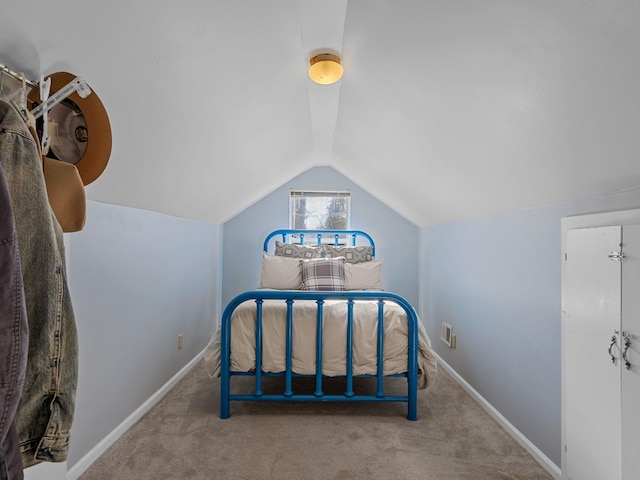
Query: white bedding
[334,340]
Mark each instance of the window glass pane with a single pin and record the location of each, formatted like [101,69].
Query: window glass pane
[319,210]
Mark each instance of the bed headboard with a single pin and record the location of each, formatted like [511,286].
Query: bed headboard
[320,234]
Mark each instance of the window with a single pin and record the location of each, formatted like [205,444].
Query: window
[319,210]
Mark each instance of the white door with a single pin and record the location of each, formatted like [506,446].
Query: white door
[631,376]
[592,382]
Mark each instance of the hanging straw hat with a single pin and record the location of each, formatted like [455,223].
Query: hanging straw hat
[83,136]
[78,152]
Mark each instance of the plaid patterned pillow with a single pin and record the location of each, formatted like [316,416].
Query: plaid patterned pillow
[351,254]
[323,274]
[294,250]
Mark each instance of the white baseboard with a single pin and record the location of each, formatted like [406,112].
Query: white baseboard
[534,451]
[85,462]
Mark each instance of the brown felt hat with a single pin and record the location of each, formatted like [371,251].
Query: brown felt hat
[83,130]
[66,194]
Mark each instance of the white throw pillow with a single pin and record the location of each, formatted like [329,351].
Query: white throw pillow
[280,273]
[363,276]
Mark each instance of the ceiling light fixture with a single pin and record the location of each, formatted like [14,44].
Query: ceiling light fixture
[325,68]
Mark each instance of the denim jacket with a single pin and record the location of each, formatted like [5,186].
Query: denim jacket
[46,408]
[14,337]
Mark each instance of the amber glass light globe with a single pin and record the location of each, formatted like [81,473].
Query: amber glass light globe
[325,69]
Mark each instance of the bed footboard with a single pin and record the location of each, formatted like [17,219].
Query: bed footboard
[349,297]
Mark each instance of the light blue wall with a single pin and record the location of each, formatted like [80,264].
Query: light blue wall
[496,280]
[137,280]
[396,238]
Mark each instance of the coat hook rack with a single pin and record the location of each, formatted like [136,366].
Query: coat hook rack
[6,70]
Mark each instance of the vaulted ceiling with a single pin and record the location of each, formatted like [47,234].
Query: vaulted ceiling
[447,110]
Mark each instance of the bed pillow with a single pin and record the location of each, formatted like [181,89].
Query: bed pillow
[280,273]
[323,274]
[294,250]
[350,254]
[363,276]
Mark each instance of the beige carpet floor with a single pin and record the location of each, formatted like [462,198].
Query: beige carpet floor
[183,438]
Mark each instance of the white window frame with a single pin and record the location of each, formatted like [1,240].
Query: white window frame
[318,195]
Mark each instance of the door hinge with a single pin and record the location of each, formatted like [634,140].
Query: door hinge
[617,256]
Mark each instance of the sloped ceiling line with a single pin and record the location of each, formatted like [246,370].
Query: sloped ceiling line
[322,31]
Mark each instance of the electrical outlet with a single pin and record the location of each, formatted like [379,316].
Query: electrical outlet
[453,340]
[180,342]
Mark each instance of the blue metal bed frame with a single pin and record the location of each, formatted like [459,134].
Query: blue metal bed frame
[353,235]
[290,296]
